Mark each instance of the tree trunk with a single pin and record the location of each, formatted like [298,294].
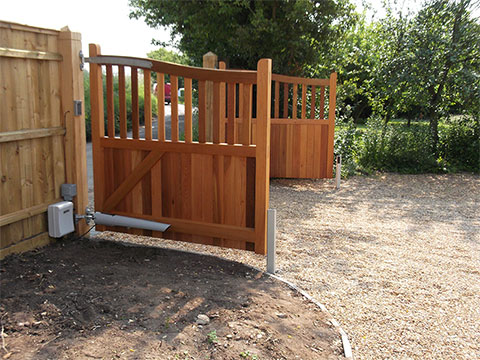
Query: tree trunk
[434,132]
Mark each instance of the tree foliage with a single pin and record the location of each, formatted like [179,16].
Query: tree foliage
[292,33]
[430,63]
[163,54]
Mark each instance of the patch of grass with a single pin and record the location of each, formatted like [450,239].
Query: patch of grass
[212,337]
[247,355]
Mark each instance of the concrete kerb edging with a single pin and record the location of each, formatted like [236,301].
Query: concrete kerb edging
[347,348]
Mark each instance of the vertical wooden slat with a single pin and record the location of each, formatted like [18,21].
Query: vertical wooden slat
[295,101]
[161,106]
[135,119]
[262,158]
[174,107]
[285,101]
[322,102]
[209,61]
[277,100]
[122,102]
[331,122]
[222,66]
[147,97]
[312,102]
[231,113]
[247,115]
[188,110]
[304,101]
[216,113]
[201,111]
[98,129]
[110,106]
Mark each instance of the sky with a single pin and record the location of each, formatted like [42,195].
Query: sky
[104,22]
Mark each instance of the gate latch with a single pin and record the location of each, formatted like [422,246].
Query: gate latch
[77,107]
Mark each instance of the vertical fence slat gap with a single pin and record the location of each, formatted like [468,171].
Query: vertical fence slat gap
[313,105]
[135,118]
[110,103]
[122,102]
[174,107]
[247,115]
[188,110]
[277,100]
[295,102]
[304,101]
[231,113]
[161,106]
[147,91]
[285,100]
[322,102]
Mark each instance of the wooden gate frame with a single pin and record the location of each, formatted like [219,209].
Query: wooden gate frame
[105,148]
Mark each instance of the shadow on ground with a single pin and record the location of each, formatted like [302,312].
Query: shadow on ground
[92,299]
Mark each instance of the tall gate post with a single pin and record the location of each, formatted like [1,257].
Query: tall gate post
[331,122]
[209,61]
[98,129]
[70,46]
[262,153]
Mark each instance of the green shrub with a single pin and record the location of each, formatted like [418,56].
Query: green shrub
[396,147]
[128,95]
[459,144]
[346,145]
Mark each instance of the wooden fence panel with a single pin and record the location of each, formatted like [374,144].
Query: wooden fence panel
[42,142]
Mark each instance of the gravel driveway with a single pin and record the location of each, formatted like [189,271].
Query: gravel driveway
[395,259]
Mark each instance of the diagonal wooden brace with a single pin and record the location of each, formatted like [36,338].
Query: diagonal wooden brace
[135,176]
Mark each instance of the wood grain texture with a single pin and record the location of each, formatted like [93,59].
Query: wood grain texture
[202,136]
[42,141]
[262,177]
[331,122]
[188,110]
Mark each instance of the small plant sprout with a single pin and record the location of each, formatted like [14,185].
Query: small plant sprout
[212,337]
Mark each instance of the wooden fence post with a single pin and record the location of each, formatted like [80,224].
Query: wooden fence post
[70,45]
[209,61]
[331,122]
[262,153]
[98,128]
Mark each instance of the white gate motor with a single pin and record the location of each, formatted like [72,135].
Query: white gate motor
[61,217]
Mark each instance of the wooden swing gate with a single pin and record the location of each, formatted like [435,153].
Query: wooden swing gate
[302,137]
[212,191]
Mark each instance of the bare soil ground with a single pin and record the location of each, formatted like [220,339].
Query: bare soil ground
[395,259]
[102,300]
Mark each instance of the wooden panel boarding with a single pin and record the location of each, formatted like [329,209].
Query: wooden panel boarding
[212,193]
[42,144]
[301,137]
